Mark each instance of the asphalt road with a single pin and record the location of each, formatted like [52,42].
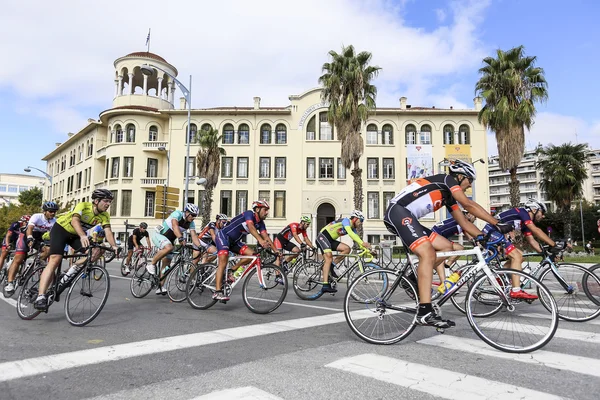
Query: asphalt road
[153,348]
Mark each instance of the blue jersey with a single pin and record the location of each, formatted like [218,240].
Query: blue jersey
[518,217]
[15,230]
[238,227]
[447,228]
[179,216]
[97,229]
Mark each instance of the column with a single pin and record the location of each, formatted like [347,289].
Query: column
[116,87]
[145,85]
[171,89]
[120,91]
[158,90]
[131,83]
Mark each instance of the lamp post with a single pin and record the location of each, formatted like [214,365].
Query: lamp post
[581,216]
[147,70]
[162,148]
[29,168]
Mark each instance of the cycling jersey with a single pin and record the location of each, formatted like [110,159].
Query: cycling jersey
[429,194]
[167,228]
[205,234]
[87,218]
[447,228]
[40,224]
[341,227]
[98,232]
[288,232]
[15,230]
[139,235]
[518,217]
[238,226]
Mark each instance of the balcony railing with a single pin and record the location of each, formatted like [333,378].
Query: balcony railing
[153,181]
[153,146]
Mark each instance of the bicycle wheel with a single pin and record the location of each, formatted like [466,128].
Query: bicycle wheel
[100,262]
[509,330]
[485,294]
[574,303]
[3,274]
[590,287]
[123,270]
[177,282]
[28,294]
[265,297]
[356,271]
[201,286]
[87,295]
[387,311]
[307,280]
[141,281]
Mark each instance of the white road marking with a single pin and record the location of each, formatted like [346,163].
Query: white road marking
[10,301]
[582,336]
[300,304]
[546,316]
[243,393]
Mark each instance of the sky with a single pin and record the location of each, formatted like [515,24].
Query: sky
[57,57]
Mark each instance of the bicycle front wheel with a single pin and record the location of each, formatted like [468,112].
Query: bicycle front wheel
[356,270]
[28,294]
[387,309]
[177,282]
[307,280]
[141,282]
[266,296]
[589,286]
[87,295]
[200,287]
[510,329]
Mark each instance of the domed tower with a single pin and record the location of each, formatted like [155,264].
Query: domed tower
[133,88]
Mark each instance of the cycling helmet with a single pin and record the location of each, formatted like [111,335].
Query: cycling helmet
[25,218]
[357,214]
[50,206]
[102,194]
[305,219]
[101,233]
[463,168]
[221,217]
[533,203]
[192,208]
[259,204]
[144,225]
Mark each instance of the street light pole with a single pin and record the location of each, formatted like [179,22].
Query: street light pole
[29,168]
[581,216]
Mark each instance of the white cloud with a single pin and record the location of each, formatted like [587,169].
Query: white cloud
[440,14]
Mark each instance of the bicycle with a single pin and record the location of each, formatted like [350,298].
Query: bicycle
[305,254]
[388,313]
[270,282]
[80,283]
[138,256]
[24,269]
[4,268]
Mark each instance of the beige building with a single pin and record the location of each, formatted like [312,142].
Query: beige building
[288,155]
[13,184]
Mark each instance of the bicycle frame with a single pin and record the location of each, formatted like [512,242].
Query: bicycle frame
[255,263]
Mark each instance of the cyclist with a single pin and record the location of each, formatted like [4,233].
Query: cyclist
[327,242]
[12,234]
[207,236]
[524,219]
[95,235]
[282,240]
[172,231]
[134,241]
[230,239]
[421,197]
[70,228]
[37,225]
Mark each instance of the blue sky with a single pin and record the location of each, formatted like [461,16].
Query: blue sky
[430,51]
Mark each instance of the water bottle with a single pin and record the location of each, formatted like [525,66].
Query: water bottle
[527,270]
[65,278]
[449,282]
[238,272]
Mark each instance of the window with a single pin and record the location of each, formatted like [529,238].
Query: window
[265,134]
[115,167]
[71,158]
[191,166]
[128,167]
[107,165]
[243,134]
[310,168]
[23,189]
[91,148]
[372,168]
[130,133]
[242,167]
[225,202]
[193,134]
[388,168]
[80,153]
[325,131]
[326,168]
[118,134]
[341,172]
[125,203]
[373,205]
[411,134]
[2,188]
[12,189]
[190,199]
[264,195]
[280,167]
[464,134]
[226,167]
[265,167]
[149,204]
[310,129]
[115,203]
[387,197]
[241,203]
[448,134]
[153,134]
[79,178]
[372,134]
[425,134]
[373,239]
[387,134]
[228,134]
[152,168]
[391,238]
[279,204]
[280,134]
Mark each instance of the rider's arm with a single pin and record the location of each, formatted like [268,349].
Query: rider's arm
[29,230]
[295,235]
[348,227]
[76,223]
[472,208]
[538,233]
[195,238]
[212,235]
[134,239]
[265,236]
[254,232]
[175,228]
[109,235]
[533,243]
[464,223]
[308,242]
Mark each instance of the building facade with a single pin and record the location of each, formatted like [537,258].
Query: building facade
[287,155]
[11,185]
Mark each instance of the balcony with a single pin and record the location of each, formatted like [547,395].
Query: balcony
[101,153]
[100,185]
[152,182]
[153,146]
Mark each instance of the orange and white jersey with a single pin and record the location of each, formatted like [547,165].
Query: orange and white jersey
[429,194]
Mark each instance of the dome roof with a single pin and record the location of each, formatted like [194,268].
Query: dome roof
[147,55]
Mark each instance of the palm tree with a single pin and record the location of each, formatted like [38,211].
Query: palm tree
[564,171]
[347,87]
[510,85]
[208,160]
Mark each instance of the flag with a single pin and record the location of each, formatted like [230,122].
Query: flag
[148,37]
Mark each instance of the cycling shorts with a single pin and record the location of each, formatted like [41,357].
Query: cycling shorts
[59,238]
[326,243]
[282,243]
[225,244]
[402,223]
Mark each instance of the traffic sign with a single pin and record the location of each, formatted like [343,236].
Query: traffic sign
[169,189]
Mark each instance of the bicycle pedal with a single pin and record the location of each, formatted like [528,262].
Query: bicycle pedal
[440,330]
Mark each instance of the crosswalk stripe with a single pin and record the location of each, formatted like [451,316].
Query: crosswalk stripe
[547,316]
[561,361]
[10,301]
[432,380]
[583,336]
[243,393]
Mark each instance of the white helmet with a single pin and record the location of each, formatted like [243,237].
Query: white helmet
[357,214]
[463,168]
[192,208]
[533,203]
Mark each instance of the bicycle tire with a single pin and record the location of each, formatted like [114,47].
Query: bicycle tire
[592,292]
[141,282]
[101,262]
[82,285]
[28,294]
[458,300]
[355,271]
[197,289]
[270,273]
[370,317]
[3,274]
[177,282]
[524,307]
[123,270]
[306,280]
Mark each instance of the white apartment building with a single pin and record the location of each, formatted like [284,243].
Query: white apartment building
[287,154]
[11,185]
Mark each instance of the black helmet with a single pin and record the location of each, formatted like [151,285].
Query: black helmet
[50,206]
[102,194]
[144,225]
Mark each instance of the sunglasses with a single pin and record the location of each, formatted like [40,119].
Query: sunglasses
[193,215]
[470,180]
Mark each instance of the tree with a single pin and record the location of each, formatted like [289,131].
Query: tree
[347,87]
[208,160]
[564,171]
[32,197]
[510,85]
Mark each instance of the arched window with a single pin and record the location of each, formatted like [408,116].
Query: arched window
[311,129]
[371,134]
[464,134]
[325,129]
[448,134]
[425,135]
[193,134]
[130,133]
[280,134]
[206,127]
[387,134]
[411,134]
[153,133]
[265,134]
[91,148]
[228,134]
[243,134]
[118,134]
